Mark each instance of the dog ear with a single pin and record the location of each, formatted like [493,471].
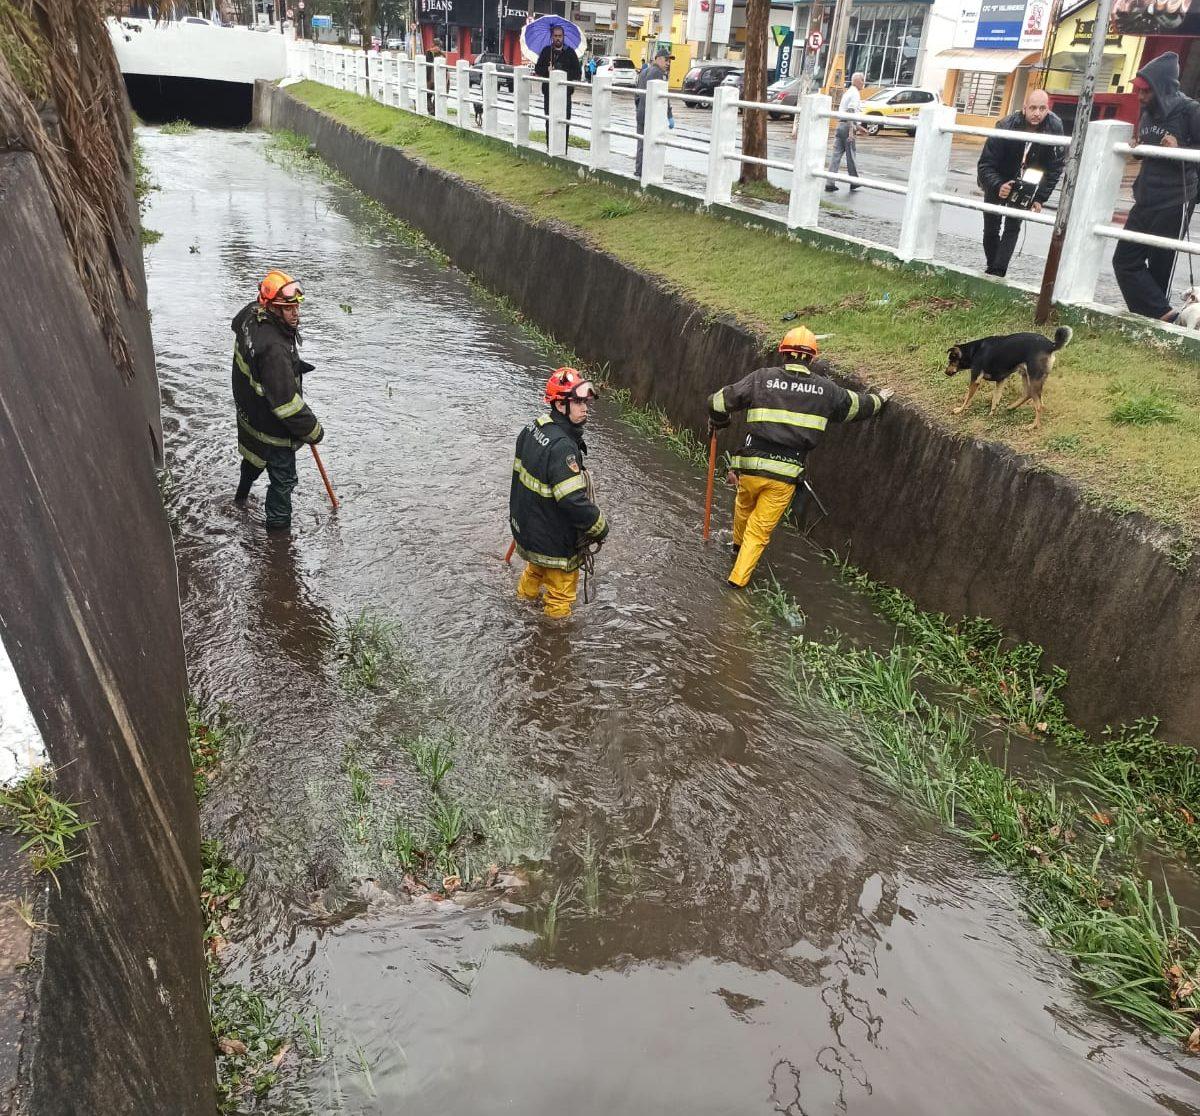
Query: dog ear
[954,356]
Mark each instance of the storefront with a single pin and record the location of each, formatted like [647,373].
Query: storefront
[465,28]
[997,53]
[1067,57]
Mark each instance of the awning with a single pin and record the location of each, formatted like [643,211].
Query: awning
[988,61]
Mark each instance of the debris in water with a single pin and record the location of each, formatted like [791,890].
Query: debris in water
[231,1046]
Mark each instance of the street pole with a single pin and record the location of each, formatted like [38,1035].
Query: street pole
[708,32]
[1083,113]
[835,73]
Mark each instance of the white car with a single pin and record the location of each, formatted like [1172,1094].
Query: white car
[623,71]
[898,102]
[394,43]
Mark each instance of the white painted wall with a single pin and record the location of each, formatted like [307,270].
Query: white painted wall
[190,50]
[940,25]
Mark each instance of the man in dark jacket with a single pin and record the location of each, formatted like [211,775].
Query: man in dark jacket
[1164,191]
[557,56]
[657,71]
[1001,165]
[554,519]
[788,409]
[273,419]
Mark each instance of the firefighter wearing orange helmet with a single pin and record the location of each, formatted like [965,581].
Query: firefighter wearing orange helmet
[788,406]
[553,516]
[268,384]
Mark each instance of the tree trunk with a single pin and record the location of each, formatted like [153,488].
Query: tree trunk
[754,88]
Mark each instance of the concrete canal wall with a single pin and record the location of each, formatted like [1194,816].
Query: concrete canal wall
[105,1008]
[965,527]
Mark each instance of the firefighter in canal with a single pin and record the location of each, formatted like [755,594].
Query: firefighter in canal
[556,524]
[268,382]
[788,406]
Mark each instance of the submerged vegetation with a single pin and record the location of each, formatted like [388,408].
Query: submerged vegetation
[47,826]
[368,652]
[1077,840]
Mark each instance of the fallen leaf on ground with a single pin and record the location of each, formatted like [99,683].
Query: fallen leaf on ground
[280,1054]
[228,1045]
[1041,726]
[1101,819]
[1193,1043]
[450,884]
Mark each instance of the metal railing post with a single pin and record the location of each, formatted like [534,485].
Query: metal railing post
[1096,192]
[490,87]
[420,91]
[718,185]
[462,90]
[440,98]
[602,102]
[653,133]
[926,176]
[521,84]
[812,134]
[556,126]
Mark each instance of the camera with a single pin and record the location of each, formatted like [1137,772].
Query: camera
[1024,189]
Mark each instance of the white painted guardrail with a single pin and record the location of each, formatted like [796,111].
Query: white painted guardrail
[405,84]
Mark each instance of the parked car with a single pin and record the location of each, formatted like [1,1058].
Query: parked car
[504,78]
[623,71]
[783,92]
[900,102]
[394,43]
[705,77]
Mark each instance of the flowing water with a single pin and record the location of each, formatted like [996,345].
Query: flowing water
[746,922]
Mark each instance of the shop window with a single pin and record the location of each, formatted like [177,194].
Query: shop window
[979,94]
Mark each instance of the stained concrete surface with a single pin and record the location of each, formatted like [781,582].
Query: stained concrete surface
[966,527]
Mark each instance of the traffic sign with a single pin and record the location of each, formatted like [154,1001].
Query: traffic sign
[815,40]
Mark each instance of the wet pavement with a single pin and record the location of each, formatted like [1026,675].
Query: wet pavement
[746,922]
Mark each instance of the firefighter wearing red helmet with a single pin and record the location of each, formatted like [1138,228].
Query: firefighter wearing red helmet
[268,377]
[554,519]
[788,406]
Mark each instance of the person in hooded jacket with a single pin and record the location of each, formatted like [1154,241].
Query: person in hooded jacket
[550,507]
[268,376]
[1164,191]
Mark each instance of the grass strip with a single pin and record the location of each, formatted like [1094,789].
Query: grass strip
[47,826]
[758,276]
[1082,883]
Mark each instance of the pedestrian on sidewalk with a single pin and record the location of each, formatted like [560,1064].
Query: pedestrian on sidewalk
[1001,165]
[1164,192]
[657,71]
[788,409]
[845,139]
[556,55]
[268,393]
[555,521]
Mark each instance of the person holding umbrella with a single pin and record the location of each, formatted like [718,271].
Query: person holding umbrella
[555,55]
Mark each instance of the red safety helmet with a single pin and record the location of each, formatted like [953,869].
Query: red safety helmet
[280,289]
[800,340]
[568,383]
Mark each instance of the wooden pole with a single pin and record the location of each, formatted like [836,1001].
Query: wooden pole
[1083,113]
[708,492]
[324,476]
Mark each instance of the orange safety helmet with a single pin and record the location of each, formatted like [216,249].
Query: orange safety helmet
[568,383]
[280,288]
[800,340]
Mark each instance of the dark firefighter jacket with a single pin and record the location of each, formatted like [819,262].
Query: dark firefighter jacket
[1163,182]
[1003,160]
[549,505]
[787,410]
[268,377]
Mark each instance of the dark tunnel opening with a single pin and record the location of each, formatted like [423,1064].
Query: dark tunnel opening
[210,104]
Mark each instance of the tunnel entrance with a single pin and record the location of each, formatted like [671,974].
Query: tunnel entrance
[212,104]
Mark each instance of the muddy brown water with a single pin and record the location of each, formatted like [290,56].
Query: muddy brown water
[771,932]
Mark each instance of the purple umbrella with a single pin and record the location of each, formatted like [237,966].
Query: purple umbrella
[536,35]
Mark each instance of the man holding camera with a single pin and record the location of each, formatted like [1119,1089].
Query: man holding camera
[1019,175]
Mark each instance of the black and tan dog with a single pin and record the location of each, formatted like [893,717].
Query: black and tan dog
[996,358]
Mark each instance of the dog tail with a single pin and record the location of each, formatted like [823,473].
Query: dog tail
[1062,337]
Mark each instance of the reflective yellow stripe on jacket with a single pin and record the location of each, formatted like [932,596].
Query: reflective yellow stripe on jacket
[787,418]
[717,402]
[557,492]
[788,469]
[291,407]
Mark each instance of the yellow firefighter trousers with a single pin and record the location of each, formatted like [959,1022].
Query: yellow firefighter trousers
[758,509]
[559,585]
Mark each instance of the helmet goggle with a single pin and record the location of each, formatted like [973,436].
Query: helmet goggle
[291,294]
[583,393]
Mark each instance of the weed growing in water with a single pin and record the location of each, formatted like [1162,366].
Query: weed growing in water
[448,821]
[434,759]
[368,651]
[589,855]
[47,826]
[405,844]
[209,734]
[652,421]
[178,128]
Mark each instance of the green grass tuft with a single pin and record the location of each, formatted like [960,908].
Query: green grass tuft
[48,827]
[178,128]
[1144,410]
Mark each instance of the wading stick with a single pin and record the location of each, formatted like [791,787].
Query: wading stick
[324,475]
[712,468]
[509,552]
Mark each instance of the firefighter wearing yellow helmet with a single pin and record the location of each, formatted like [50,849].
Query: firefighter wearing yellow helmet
[788,406]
